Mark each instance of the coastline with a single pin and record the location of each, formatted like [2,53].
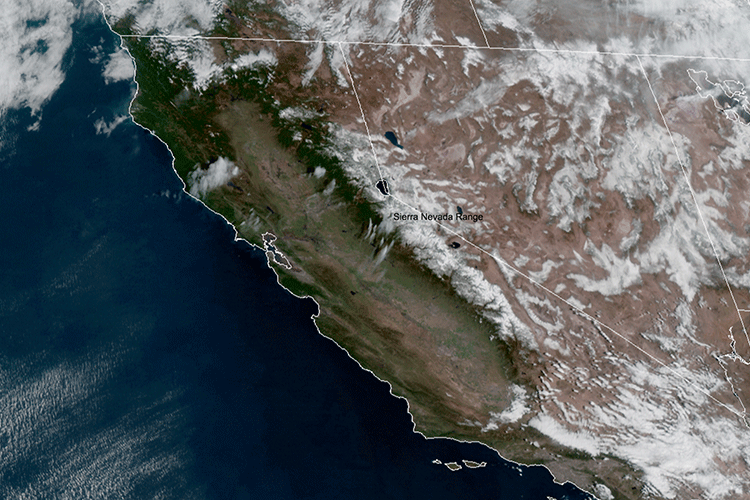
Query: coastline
[520,437]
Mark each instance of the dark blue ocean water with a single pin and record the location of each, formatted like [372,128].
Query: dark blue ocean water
[146,354]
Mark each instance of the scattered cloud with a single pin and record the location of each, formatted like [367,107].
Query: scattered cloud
[579,440]
[621,272]
[517,409]
[103,127]
[45,422]
[119,67]
[262,57]
[175,17]
[217,174]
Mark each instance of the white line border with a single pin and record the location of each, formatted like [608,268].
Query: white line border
[741,414]
[362,111]
[686,175]
[447,46]
[479,22]
[341,43]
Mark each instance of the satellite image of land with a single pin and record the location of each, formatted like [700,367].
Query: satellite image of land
[532,219]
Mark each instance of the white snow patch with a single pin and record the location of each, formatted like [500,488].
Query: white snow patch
[547,268]
[297,113]
[622,272]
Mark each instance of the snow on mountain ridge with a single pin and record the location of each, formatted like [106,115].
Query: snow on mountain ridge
[565,152]
[619,132]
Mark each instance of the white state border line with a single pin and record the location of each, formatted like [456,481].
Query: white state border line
[448,46]
[741,414]
[237,237]
[362,111]
[695,200]
[479,22]
[340,43]
[315,316]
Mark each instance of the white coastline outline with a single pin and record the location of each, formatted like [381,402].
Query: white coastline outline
[340,43]
[743,415]
[518,465]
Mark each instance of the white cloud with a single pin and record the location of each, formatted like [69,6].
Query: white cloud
[119,67]
[262,57]
[197,54]
[675,438]
[603,492]
[34,37]
[622,273]
[360,20]
[319,172]
[580,440]
[175,17]
[102,127]
[44,422]
[217,174]
[511,414]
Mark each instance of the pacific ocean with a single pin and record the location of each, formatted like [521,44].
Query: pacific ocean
[144,353]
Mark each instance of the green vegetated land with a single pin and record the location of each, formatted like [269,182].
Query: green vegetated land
[395,317]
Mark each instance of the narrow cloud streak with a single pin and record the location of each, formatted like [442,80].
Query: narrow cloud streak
[102,127]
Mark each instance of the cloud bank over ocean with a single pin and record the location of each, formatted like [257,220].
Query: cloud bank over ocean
[35,35]
[119,67]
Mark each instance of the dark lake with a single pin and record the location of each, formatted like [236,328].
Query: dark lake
[391,136]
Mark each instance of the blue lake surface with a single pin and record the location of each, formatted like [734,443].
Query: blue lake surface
[146,354]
